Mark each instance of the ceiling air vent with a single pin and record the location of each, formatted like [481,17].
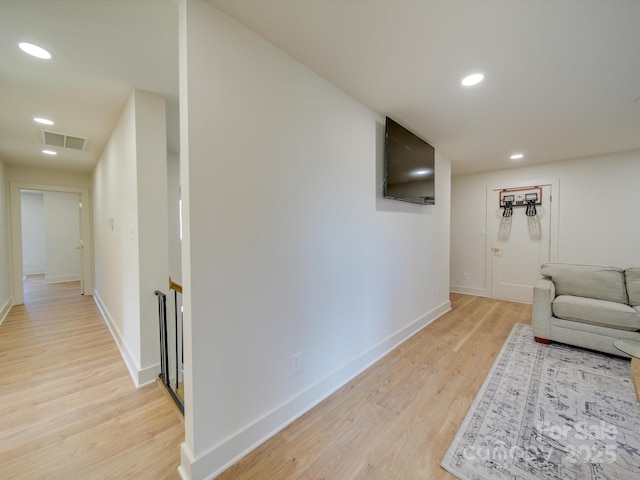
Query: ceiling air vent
[60,140]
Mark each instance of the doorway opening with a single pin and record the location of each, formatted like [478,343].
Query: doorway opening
[50,236]
[51,239]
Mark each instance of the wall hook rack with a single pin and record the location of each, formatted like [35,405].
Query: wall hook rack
[527,197]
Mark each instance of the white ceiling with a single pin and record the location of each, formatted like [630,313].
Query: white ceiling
[561,78]
[103,49]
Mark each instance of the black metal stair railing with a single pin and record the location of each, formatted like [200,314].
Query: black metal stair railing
[171,344]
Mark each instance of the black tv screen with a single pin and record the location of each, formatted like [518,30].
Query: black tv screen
[409,166]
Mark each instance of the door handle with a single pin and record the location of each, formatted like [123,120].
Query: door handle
[496,250]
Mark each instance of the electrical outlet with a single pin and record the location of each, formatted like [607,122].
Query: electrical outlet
[296,362]
[465,276]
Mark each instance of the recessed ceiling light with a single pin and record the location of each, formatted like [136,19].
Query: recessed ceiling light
[472,79]
[43,121]
[49,152]
[35,50]
[516,156]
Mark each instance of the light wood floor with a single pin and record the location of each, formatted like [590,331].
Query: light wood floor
[68,407]
[396,420]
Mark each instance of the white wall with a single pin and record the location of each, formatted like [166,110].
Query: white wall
[115,212]
[33,233]
[174,302]
[173,199]
[47,176]
[312,260]
[62,233]
[597,221]
[151,173]
[130,229]
[5,264]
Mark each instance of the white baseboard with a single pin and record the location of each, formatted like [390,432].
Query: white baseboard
[140,376]
[26,273]
[62,278]
[148,375]
[216,460]
[186,461]
[6,308]
[478,292]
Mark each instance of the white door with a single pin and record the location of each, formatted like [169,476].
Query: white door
[518,244]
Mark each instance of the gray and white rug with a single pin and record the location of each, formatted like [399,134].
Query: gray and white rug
[550,412]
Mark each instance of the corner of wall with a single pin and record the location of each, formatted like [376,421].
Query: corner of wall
[186,460]
[4,311]
[148,375]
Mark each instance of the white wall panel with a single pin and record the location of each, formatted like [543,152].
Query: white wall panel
[289,246]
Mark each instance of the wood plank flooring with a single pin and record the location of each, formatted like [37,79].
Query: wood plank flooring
[396,420]
[68,407]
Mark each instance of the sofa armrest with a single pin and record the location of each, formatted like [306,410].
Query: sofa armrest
[544,292]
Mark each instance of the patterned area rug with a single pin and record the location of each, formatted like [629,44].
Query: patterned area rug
[550,412]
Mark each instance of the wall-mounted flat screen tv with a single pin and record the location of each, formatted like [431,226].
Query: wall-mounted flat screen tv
[409,167]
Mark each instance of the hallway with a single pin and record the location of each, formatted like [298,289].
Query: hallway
[69,408]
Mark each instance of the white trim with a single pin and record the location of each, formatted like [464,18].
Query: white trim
[148,375]
[15,209]
[62,278]
[478,292]
[186,461]
[222,456]
[4,311]
[26,273]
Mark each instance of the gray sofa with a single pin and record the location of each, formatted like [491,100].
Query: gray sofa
[587,306]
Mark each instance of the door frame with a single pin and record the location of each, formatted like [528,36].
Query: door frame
[16,235]
[554,222]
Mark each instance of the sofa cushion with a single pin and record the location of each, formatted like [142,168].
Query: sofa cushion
[632,277]
[590,281]
[596,312]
